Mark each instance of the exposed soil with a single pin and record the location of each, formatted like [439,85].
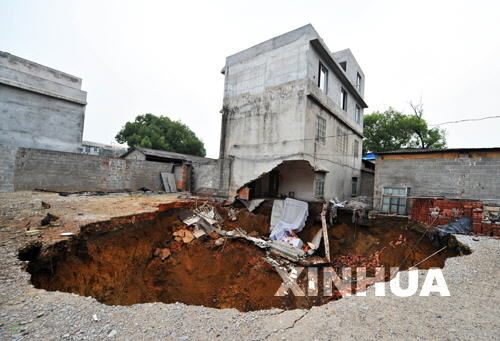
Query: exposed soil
[114,260]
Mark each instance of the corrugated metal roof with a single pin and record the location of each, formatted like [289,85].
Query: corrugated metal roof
[167,155]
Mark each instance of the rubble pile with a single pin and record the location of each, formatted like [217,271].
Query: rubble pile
[438,212]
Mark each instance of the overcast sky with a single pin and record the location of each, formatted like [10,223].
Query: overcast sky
[165,57]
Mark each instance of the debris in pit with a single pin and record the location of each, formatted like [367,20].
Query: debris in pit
[292,220]
[32,232]
[286,250]
[209,213]
[460,226]
[251,205]
[162,253]
[183,235]
[49,218]
[232,214]
[67,234]
[189,218]
[199,233]
[45,205]
[293,214]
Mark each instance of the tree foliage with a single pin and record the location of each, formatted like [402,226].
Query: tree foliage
[393,130]
[160,132]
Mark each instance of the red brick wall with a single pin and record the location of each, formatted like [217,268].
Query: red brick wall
[441,211]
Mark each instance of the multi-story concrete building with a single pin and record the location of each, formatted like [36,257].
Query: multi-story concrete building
[292,119]
[39,107]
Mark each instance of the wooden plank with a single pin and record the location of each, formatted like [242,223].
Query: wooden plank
[325,232]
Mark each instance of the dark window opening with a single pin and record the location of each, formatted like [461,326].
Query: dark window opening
[357,115]
[323,78]
[354,186]
[343,65]
[358,82]
[343,99]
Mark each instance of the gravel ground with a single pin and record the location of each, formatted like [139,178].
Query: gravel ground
[26,313]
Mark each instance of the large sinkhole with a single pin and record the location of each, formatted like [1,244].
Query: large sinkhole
[115,262]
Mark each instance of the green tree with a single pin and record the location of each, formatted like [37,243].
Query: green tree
[160,132]
[392,130]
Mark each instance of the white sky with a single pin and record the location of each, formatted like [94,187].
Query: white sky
[165,57]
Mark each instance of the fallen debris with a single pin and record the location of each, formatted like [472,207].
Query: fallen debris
[325,231]
[162,253]
[293,220]
[183,235]
[251,205]
[48,219]
[286,250]
[199,233]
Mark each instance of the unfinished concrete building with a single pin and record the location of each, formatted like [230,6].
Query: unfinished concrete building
[40,107]
[292,119]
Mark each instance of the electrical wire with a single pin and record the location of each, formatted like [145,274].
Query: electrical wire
[466,120]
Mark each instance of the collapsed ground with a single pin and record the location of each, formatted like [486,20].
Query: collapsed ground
[118,261]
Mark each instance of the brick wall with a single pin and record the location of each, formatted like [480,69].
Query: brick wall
[440,212]
[61,171]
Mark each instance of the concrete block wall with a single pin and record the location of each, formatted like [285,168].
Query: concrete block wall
[62,171]
[205,177]
[7,167]
[366,186]
[39,107]
[452,176]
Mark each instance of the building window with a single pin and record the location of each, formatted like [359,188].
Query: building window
[358,82]
[343,65]
[321,130]
[340,139]
[357,115]
[395,200]
[323,78]
[319,185]
[343,99]
[355,148]
[354,186]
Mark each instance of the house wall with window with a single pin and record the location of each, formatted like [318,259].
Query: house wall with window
[335,87]
[352,68]
[281,103]
[467,174]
